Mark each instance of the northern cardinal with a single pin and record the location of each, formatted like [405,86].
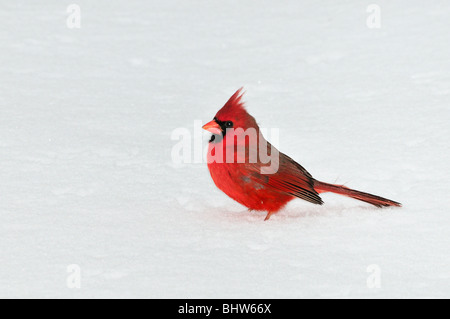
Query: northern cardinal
[244,179]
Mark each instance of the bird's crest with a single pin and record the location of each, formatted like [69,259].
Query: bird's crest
[234,107]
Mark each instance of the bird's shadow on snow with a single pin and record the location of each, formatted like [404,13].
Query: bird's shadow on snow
[330,211]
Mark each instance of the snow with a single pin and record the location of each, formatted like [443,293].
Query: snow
[87,177]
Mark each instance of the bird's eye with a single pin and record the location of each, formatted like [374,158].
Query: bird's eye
[229,124]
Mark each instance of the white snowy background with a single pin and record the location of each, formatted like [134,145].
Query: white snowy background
[87,177]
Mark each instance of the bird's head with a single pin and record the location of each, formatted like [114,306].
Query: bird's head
[233,115]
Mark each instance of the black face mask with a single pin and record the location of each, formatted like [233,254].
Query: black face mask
[224,125]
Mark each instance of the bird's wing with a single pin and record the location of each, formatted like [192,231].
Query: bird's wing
[290,177]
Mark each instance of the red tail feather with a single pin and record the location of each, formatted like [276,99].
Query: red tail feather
[377,201]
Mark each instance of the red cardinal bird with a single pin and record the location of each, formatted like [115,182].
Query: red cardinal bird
[237,161]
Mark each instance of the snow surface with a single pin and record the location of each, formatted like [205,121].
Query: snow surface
[87,178]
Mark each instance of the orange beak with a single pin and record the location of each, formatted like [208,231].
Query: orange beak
[213,127]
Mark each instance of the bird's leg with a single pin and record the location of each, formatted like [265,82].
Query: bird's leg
[268,216]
